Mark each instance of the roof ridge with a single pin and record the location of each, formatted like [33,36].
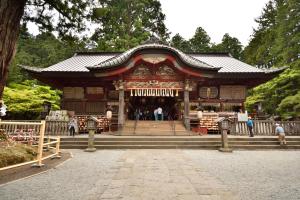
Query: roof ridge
[119,59]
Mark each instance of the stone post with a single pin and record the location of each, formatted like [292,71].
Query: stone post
[225,146]
[91,147]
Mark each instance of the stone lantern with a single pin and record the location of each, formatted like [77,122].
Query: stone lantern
[224,125]
[91,126]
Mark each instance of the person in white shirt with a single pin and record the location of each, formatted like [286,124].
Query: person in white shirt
[160,113]
[155,114]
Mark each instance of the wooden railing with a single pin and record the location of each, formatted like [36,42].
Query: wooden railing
[32,133]
[266,127]
[57,128]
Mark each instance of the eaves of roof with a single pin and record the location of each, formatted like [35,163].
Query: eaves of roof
[124,57]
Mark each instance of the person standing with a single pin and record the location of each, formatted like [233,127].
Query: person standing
[109,116]
[155,114]
[109,113]
[250,126]
[280,132]
[160,113]
[73,126]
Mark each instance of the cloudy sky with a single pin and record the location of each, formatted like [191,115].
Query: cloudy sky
[217,17]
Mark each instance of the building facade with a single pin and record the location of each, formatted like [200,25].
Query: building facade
[143,78]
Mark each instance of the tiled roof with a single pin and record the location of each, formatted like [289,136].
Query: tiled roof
[122,58]
[227,63]
[79,62]
[82,62]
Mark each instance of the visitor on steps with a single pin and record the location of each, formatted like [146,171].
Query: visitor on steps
[280,132]
[155,114]
[250,126]
[73,126]
[160,114]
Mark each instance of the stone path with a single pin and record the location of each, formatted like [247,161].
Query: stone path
[122,174]
[165,174]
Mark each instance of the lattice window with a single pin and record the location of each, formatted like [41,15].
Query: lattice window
[208,92]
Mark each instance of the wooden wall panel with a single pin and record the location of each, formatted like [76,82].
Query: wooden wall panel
[232,92]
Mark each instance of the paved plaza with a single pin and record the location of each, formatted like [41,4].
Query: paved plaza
[165,174]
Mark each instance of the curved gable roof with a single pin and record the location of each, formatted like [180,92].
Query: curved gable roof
[124,57]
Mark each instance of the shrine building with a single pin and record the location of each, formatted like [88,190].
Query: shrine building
[152,75]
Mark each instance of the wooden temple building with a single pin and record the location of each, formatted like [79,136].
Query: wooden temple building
[151,75]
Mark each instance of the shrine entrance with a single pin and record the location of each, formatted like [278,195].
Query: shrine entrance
[143,107]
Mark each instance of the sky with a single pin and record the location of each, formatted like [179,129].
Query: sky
[216,17]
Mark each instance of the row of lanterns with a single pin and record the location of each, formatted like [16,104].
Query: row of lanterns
[154,92]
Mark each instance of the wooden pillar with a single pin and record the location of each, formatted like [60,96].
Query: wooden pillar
[121,107]
[187,106]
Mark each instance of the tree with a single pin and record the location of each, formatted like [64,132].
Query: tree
[279,35]
[180,43]
[231,45]
[27,98]
[69,16]
[200,42]
[126,24]
[42,50]
[258,52]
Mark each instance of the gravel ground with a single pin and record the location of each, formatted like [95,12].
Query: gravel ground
[267,175]
[165,174]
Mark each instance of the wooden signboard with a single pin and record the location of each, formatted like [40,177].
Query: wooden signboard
[73,92]
[232,92]
[95,90]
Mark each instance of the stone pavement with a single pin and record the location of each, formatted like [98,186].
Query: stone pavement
[122,174]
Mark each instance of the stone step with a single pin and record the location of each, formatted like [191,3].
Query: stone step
[173,138]
[144,147]
[184,142]
[214,146]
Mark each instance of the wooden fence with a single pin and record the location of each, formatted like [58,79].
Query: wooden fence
[56,128]
[32,133]
[261,127]
[266,127]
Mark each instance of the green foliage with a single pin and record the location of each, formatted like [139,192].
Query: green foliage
[289,106]
[200,42]
[29,97]
[42,50]
[180,43]
[64,17]
[276,43]
[126,24]
[231,45]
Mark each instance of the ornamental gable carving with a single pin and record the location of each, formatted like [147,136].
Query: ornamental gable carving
[142,71]
[154,84]
[165,70]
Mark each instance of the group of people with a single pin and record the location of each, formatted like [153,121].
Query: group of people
[147,115]
[278,130]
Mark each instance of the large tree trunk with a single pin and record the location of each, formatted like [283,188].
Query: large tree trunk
[11,12]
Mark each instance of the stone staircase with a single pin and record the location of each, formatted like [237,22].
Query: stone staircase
[154,128]
[177,142]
